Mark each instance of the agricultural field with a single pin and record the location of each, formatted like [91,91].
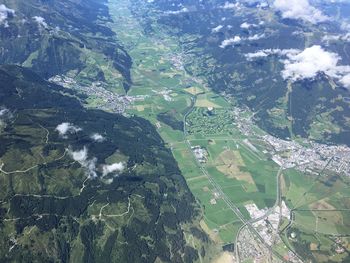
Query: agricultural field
[188,115]
[321,214]
[173,101]
[210,120]
[194,150]
[243,176]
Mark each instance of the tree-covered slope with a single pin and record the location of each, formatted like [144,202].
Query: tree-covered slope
[57,37]
[228,43]
[81,185]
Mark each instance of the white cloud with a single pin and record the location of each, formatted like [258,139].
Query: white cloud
[4,115]
[66,127]
[256,37]
[229,5]
[269,52]
[97,137]
[183,10]
[41,21]
[345,81]
[3,111]
[311,61]
[345,26]
[109,180]
[331,38]
[299,9]
[307,64]
[4,14]
[112,168]
[246,25]
[258,54]
[263,5]
[230,41]
[217,29]
[237,39]
[81,157]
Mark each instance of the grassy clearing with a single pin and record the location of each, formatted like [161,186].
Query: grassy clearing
[194,90]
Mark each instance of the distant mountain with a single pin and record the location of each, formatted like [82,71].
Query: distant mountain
[243,49]
[46,37]
[82,185]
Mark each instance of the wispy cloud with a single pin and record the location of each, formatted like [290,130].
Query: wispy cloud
[256,37]
[237,40]
[231,41]
[3,111]
[90,164]
[81,156]
[65,127]
[97,137]
[311,61]
[112,168]
[308,63]
[333,38]
[217,29]
[182,10]
[246,25]
[229,5]
[299,9]
[267,52]
[5,12]
[5,114]
[345,80]
[41,21]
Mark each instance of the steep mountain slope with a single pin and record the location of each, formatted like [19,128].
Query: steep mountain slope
[243,48]
[57,37]
[84,185]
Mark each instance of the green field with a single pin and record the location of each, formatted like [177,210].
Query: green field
[240,167]
[321,212]
[193,160]
[210,124]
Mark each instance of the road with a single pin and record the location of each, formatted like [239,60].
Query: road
[228,202]
[269,212]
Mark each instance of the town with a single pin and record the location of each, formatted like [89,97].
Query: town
[309,156]
[107,100]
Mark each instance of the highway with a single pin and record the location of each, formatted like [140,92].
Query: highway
[228,202]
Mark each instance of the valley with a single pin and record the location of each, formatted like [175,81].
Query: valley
[156,140]
[232,167]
